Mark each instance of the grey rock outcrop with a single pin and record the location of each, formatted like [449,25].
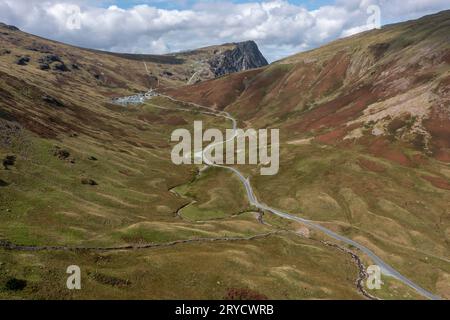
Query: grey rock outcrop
[23,61]
[244,56]
[8,27]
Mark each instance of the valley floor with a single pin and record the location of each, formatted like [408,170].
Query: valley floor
[144,233]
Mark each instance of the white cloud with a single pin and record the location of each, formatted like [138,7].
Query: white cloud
[280,28]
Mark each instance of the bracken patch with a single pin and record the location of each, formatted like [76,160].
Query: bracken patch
[438,182]
[371,165]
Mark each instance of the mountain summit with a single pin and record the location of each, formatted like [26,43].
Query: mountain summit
[216,61]
[244,56]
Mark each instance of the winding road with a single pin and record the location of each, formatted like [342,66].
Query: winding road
[385,268]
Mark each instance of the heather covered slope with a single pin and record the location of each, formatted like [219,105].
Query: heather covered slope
[364,124]
[373,88]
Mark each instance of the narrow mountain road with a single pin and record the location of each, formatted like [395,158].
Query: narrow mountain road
[385,268]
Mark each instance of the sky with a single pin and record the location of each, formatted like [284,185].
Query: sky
[279,27]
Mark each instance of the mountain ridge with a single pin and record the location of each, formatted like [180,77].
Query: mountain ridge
[203,61]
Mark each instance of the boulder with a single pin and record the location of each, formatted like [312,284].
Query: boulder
[60,66]
[44,66]
[52,61]
[89,182]
[14,284]
[9,161]
[50,58]
[52,101]
[61,154]
[23,61]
